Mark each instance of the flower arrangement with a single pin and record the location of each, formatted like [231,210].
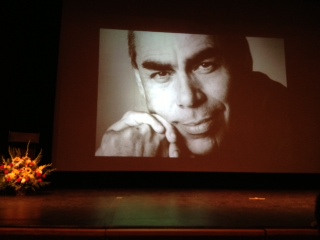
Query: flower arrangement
[22,173]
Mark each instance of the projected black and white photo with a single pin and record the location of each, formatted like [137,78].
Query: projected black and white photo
[191,95]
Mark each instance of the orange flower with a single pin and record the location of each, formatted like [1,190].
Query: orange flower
[16,160]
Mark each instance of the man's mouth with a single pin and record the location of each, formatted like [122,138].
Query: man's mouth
[196,128]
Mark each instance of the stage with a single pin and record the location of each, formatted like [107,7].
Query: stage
[159,213]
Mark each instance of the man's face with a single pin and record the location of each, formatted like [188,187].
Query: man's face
[184,80]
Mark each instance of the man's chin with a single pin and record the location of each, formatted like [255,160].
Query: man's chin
[202,147]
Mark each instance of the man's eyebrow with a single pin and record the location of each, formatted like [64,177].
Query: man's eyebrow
[194,59]
[201,55]
[157,66]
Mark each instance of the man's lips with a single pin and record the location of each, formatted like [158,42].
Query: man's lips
[197,127]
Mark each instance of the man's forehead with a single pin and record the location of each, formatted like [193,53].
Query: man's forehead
[170,46]
[163,37]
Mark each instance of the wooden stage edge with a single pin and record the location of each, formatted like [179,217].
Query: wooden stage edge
[106,233]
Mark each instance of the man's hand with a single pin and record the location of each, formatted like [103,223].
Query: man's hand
[140,134]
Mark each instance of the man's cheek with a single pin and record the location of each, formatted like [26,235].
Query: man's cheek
[154,105]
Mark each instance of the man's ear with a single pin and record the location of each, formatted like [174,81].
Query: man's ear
[139,82]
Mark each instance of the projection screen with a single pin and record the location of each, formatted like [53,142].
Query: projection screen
[171,98]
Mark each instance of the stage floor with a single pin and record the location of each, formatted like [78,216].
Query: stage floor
[103,212]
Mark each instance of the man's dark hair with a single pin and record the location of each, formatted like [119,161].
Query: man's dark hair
[234,51]
[132,48]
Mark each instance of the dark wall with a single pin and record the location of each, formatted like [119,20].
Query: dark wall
[30,41]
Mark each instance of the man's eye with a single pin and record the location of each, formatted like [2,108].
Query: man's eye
[160,76]
[206,64]
[206,67]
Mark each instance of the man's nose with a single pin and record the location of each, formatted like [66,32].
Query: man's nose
[189,93]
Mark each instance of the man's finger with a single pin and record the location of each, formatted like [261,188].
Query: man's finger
[174,151]
[170,131]
[131,119]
